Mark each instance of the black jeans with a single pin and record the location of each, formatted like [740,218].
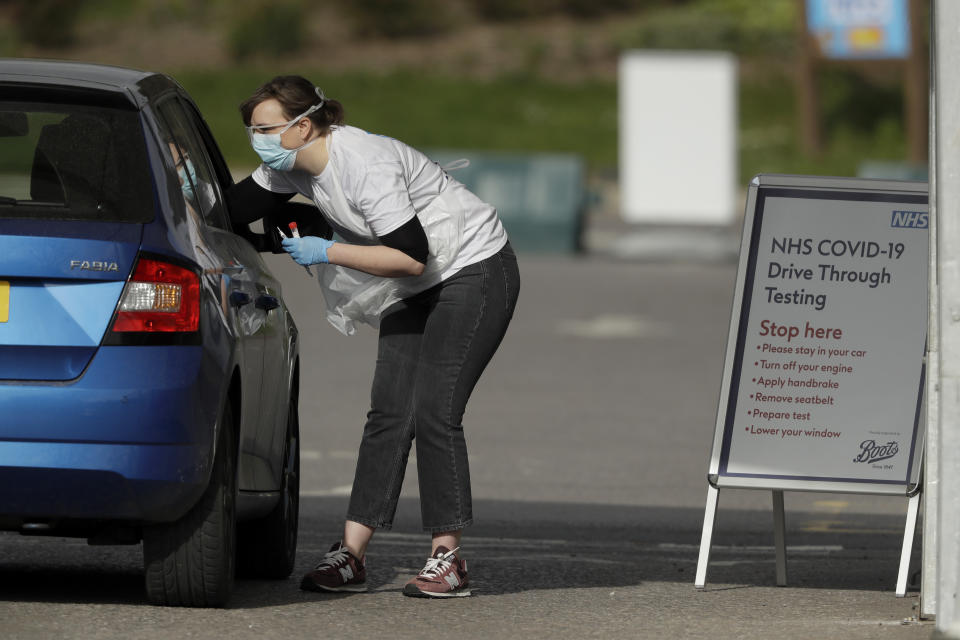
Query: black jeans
[433,348]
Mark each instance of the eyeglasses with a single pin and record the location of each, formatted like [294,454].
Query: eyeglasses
[263,128]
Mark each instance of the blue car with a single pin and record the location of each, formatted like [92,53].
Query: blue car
[148,364]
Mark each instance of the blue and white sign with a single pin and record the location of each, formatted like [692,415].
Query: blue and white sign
[860,29]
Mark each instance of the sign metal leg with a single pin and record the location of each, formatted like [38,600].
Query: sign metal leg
[779,538]
[908,533]
[709,517]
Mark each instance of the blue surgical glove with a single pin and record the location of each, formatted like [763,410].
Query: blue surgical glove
[307,250]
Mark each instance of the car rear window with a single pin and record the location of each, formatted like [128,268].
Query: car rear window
[73,162]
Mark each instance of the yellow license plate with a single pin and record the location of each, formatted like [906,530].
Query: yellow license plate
[4,301]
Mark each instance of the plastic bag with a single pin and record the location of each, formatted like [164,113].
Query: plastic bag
[353,296]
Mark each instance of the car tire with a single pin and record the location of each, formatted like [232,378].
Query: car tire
[267,547]
[190,562]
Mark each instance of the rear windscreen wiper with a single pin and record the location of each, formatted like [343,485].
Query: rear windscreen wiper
[7,201]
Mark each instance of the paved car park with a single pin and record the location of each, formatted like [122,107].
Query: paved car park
[589,438]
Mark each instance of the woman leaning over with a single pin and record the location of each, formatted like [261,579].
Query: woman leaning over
[433,344]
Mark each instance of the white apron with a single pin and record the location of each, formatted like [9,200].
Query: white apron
[353,296]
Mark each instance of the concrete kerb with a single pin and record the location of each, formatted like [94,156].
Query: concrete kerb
[665,244]
[606,234]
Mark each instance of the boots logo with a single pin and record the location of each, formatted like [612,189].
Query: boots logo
[870,451]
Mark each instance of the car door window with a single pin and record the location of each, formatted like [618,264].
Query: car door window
[192,164]
[220,169]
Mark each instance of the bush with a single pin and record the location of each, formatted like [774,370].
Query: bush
[728,25]
[401,18]
[598,8]
[267,28]
[507,10]
[47,23]
[8,41]
[850,100]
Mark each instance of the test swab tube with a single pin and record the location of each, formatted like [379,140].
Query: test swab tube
[296,234]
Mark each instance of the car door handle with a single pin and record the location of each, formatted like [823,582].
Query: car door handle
[239,298]
[267,302]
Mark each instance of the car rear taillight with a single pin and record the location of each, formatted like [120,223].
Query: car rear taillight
[159,297]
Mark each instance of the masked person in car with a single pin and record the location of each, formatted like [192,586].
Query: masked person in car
[197,196]
[434,343]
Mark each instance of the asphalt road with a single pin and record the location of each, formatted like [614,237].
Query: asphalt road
[589,439]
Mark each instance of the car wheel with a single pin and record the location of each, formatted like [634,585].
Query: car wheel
[267,547]
[190,562]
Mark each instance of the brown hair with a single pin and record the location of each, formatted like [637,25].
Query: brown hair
[295,94]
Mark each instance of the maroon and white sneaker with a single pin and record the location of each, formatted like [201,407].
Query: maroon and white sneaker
[339,570]
[444,576]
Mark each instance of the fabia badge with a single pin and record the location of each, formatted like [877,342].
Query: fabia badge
[93,265]
[870,451]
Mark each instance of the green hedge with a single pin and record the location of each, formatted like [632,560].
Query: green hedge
[46,23]
[272,28]
[400,18]
[507,10]
[728,25]
[513,114]
[526,114]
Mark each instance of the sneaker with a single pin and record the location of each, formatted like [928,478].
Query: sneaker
[444,576]
[339,570]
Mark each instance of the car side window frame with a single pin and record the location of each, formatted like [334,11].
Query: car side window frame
[217,161]
[184,136]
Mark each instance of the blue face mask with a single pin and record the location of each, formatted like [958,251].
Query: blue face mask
[269,147]
[273,153]
[188,178]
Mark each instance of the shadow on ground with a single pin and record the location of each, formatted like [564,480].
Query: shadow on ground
[515,547]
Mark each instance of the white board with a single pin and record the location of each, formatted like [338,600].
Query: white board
[823,379]
[678,137]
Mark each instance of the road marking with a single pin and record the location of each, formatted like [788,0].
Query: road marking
[343,490]
[840,526]
[552,546]
[732,563]
[613,326]
[879,623]
[402,538]
[314,454]
[539,557]
[833,506]
[812,549]
[559,557]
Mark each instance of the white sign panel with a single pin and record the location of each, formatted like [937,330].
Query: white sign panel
[825,381]
[678,124]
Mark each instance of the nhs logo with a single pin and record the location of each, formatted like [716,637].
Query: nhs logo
[912,219]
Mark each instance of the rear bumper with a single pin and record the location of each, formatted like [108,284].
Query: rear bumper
[131,439]
[118,485]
